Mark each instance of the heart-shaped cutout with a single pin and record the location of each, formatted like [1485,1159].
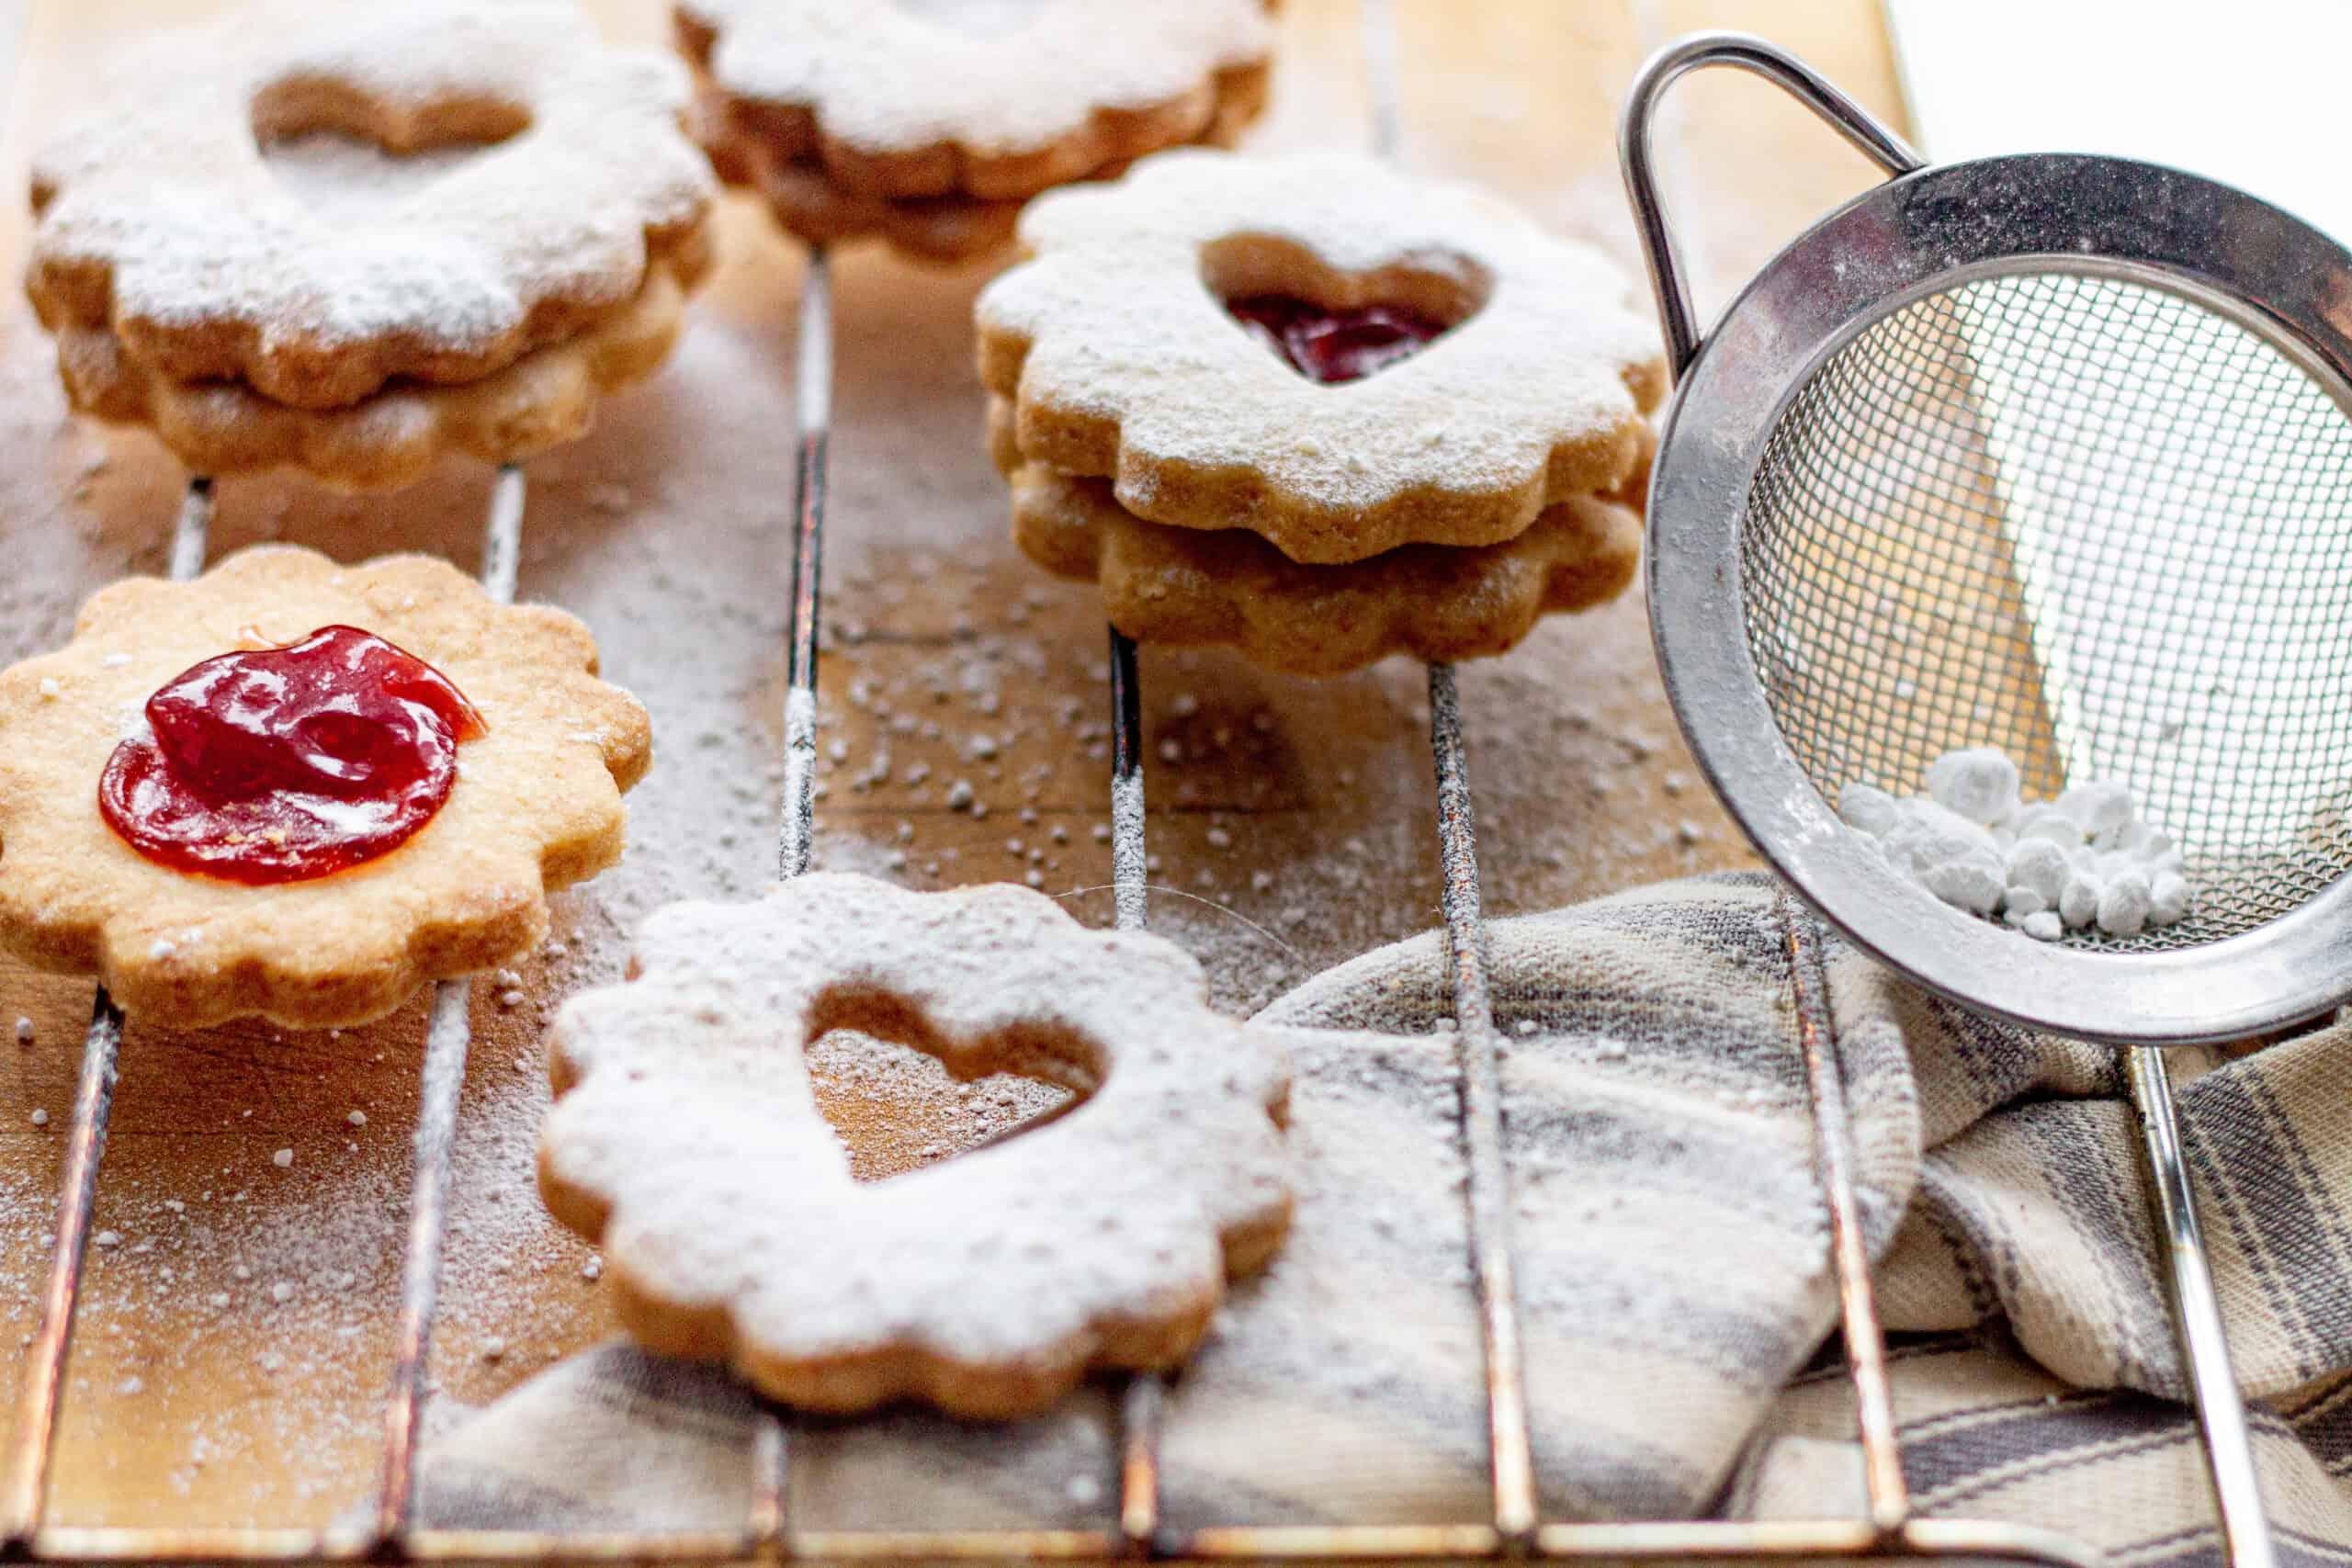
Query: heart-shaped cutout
[348,158]
[1334,327]
[898,1109]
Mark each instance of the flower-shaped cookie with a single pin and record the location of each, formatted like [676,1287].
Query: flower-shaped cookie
[1117,345]
[901,101]
[685,1138]
[162,222]
[391,438]
[535,805]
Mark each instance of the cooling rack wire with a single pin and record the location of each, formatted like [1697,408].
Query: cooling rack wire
[1888,1528]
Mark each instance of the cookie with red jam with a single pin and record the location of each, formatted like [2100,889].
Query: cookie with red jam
[300,791]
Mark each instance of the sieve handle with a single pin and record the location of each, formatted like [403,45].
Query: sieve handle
[1636,151]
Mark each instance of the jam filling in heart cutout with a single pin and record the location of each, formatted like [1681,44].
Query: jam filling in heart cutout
[1330,347]
[282,765]
[1331,326]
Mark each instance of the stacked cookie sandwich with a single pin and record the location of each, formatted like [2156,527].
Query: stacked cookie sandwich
[930,127]
[1317,409]
[352,240]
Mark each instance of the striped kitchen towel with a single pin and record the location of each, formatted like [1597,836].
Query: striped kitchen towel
[1670,1243]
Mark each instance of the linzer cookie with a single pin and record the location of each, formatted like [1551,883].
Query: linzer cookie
[979,99]
[329,209]
[1339,357]
[686,1140]
[929,126]
[300,791]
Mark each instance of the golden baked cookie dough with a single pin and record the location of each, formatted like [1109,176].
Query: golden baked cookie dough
[853,119]
[391,437]
[943,230]
[1184,588]
[485,310]
[1195,588]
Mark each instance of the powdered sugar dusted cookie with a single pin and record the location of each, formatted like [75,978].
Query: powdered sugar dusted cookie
[686,1139]
[1333,355]
[996,99]
[161,221]
[392,436]
[221,812]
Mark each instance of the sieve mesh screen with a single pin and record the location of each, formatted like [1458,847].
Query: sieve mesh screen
[2093,523]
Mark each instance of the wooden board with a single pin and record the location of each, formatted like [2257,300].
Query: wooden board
[1292,822]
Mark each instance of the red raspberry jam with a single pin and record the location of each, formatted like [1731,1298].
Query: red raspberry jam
[286,763]
[1331,346]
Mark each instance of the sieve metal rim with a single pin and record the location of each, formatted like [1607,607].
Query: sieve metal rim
[1918,234]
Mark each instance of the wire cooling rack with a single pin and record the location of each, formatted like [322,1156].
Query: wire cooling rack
[1515,1530]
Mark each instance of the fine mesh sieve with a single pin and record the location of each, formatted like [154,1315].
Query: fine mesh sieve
[2094,524]
[2049,453]
[2046,453]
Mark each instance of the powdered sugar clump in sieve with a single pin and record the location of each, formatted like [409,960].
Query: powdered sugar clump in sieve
[2044,867]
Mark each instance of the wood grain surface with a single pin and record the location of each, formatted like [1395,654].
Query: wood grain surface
[1292,822]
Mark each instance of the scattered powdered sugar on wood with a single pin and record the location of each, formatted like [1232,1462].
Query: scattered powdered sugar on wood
[898,1109]
[225,1272]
